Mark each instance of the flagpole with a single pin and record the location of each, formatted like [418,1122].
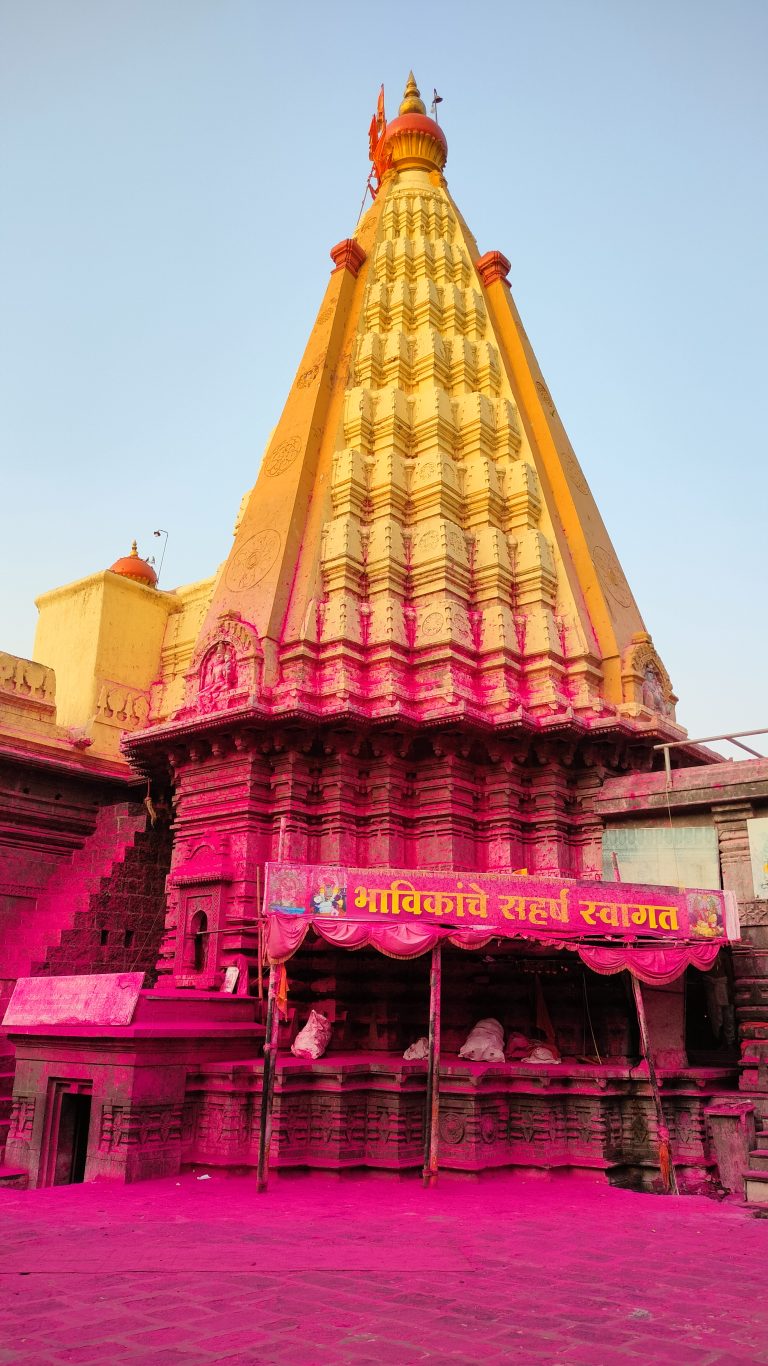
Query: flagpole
[268,1079]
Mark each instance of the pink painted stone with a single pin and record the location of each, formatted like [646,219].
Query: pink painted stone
[109,998]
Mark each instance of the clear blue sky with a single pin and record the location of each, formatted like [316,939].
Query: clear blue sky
[174,172]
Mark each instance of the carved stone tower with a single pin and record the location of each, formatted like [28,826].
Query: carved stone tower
[421,649]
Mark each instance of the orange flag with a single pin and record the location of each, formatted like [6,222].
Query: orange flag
[281,995]
[381,118]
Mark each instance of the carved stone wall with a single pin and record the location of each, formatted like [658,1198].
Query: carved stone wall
[327,795]
[370,1112]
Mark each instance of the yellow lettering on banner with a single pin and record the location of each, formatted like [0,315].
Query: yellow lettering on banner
[399,896]
[655,917]
[406,898]
[367,897]
[629,915]
[588,910]
[512,907]
[438,903]
[477,904]
[608,912]
[538,910]
[558,907]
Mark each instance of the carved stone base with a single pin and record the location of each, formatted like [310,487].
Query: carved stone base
[368,1110]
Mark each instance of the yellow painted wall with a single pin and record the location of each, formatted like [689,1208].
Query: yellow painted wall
[103,638]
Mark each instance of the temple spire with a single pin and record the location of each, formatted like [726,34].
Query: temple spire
[412,101]
[422,540]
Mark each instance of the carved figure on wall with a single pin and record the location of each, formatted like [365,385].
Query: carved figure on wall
[653,690]
[219,670]
[645,681]
[226,667]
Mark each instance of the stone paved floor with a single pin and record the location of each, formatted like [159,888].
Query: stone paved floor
[322,1270]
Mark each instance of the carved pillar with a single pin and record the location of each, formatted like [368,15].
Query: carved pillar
[499,817]
[588,834]
[388,802]
[549,850]
[340,801]
[731,824]
[445,799]
[291,781]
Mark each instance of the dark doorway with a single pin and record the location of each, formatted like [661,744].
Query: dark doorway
[72,1145]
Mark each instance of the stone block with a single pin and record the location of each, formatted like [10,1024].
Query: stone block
[103,999]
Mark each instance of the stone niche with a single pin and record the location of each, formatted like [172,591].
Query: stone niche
[197,896]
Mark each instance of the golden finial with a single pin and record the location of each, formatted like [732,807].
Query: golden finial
[412,101]
[134,548]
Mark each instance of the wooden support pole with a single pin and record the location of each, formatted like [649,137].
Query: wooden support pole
[432,1113]
[259,935]
[666,1166]
[268,1078]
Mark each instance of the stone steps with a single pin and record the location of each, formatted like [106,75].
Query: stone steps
[755,1185]
[758,1159]
[29,941]
[15,1178]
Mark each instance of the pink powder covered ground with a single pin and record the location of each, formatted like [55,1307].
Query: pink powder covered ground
[355,1269]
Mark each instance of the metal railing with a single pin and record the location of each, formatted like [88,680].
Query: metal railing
[734,738]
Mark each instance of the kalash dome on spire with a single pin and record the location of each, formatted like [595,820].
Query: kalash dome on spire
[420,664]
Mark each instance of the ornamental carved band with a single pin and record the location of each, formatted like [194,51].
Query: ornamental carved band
[347,255]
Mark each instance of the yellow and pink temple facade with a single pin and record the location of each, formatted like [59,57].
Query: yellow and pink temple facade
[421,653]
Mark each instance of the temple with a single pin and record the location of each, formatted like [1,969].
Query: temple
[419,675]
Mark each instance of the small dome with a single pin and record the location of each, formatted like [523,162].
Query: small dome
[413,139]
[133,567]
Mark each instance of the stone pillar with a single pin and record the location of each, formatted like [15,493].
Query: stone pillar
[341,801]
[750,968]
[731,824]
[665,1013]
[387,804]
[548,841]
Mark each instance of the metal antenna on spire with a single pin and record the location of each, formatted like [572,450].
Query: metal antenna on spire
[436,100]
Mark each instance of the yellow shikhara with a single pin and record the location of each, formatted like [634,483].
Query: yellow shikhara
[421,533]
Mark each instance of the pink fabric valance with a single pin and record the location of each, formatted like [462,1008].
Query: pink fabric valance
[286,934]
[655,964]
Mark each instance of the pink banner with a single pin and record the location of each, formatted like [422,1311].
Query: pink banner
[469,906]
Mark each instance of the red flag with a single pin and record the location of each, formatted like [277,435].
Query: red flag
[543,1018]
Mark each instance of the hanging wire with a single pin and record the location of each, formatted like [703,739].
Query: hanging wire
[589,1018]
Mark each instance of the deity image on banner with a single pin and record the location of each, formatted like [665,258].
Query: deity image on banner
[287,894]
[329,899]
[704,920]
